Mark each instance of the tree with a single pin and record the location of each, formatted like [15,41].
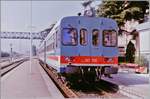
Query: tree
[130,52]
[122,11]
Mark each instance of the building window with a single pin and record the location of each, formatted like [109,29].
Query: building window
[69,36]
[83,36]
[95,37]
[109,38]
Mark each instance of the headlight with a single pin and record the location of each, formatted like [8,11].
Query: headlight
[69,58]
[109,59]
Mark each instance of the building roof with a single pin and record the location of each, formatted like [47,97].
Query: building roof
[143,27]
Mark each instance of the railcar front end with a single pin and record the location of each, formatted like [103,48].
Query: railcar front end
[89,45]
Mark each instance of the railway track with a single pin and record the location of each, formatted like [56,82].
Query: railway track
[98,89]
[68,93]
[7,68]
[4,60]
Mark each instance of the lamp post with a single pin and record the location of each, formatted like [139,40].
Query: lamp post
[0,46]
[31,37]
[31,41]
[31,52]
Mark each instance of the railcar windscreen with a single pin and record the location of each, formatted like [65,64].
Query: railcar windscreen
[109,38]
[95,37]
[83,36]
[69,36]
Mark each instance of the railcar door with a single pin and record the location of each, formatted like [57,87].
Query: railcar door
[89,41]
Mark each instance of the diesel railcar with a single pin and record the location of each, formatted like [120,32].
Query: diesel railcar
[81,44]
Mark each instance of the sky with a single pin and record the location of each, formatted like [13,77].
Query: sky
[16,17]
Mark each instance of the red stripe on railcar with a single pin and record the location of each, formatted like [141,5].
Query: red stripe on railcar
[88,60]
[56,58]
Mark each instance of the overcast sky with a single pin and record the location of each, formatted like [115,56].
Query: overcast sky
[16,17]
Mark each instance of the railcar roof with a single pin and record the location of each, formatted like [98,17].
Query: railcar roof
[77,17]
[105,21]
[80,17]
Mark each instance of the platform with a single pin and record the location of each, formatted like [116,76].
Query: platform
[21,83]
[131,84]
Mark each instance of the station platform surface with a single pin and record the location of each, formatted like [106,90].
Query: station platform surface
[131,84]
[26,83]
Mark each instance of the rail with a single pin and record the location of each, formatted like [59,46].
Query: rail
[68,93]
[7,68]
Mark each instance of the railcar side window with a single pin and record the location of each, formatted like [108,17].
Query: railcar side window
[83,36]
[69,36]
[109,38]
[95,37]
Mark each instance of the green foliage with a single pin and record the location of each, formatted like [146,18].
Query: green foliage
[130,52]
[122,11]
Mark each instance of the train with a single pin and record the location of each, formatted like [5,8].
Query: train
[82,45]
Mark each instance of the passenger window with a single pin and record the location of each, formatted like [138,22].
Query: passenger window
[95,37]
[109,38]
[69,36]
[83,36]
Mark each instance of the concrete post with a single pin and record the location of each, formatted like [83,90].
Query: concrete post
[30,52]
[45,52]
[11,53]
[31,37]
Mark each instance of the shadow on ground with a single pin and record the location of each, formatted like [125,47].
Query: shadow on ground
[95,87]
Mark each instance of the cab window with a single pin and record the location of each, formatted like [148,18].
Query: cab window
[69,36]
[95,37]
[109,38]
[83,36]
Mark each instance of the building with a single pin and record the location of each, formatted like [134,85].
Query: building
[144,40]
